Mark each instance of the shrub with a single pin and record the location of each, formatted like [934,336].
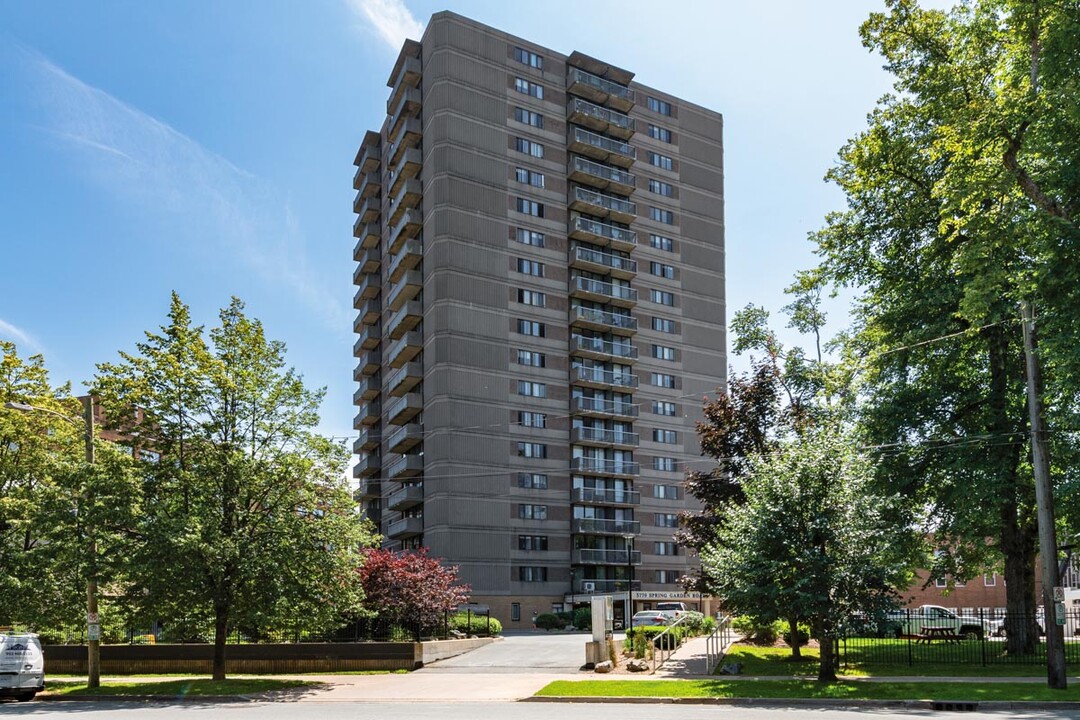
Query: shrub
[755,631]
[802,633]
[646,634]
[474,625]
[708,625]
[549,621]
[583,618]
[692,621]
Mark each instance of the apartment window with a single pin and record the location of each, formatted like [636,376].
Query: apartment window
[532,512]
[532,574]
[532,297]
[515,612]
[667,577]
[529,207]
[663,216]
[529,58]
[660,187]
[661,407]
[528,117]
[532,419]
[532,542]
[664,464]
[659,106]
[523,145]
[663,352]
[661,243]
[668,437]
[532,389]
[662,270]
[990,580]
[530,267]
[663,325]
[662,297]
[531,327]
[659,133]
[661,161]
[529,177]
[663,380]
[529,88]
[531,450]
[529,237]
[531,358]
[533,481]
[668,520]
[665,492]
[665,548]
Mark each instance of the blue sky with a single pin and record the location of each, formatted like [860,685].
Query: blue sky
[206,147]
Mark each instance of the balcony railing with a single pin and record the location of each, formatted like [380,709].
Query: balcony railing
[588,556]
[598,526]
[405,527]
[368,440]
[405,466]
[405,349]
[604,377]
[605,466]
[604,436]
[607,148]
[401,410]
[405,319]
[600,115]
[406,497]
[600,346]
[603,317]
[607,260]
[604,586]
[594,496]
[605,174]
[606,289]
[404,379]
[404,437]
[618,94]
[597,229]
[615,205]
[407,288]
[602,406]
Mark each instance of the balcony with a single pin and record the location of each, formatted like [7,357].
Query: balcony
[405,528]
[368,490]
[408,136]
[605,177]
[404,349]
[585,288]
[588,556]
[402,409]
[406,319]
[406,75]
[406,497]
[602,407]
[369,313]
[601,147]
[370,466]
[600,349]
[593,496]
[370,412]
[584,258]
[404,438]
[600,119]
[408,106]
[603,436]
[404,379]
[368,441]
[407,168]
[603,320]
[591,202]
[599,526]
[370,154]
[599,90]
[598,233]
[370,286]
[604,466]
[369,262]
[369,389]
[407,198]
[369,187]
[604,587]
[600,378]
[409,256]
[369,339]
[405,466]
[369,236]
[369,363]
[369,210]
[408,227]
[407,288]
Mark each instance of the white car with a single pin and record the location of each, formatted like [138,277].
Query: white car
[22,666]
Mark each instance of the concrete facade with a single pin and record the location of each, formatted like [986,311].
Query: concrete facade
[540,268]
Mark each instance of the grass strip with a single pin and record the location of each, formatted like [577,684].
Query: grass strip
[789,689]
[197,687]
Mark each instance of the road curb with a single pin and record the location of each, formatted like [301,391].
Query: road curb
[969,705]
[209,699]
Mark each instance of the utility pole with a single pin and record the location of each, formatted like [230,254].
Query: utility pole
[93,628]
[1044,499]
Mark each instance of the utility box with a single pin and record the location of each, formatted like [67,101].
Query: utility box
[603,618]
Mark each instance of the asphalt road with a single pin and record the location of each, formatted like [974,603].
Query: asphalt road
[469,711]
[526,653]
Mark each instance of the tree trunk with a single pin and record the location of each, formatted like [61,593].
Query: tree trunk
[221,634]
[796,641]
[827,666]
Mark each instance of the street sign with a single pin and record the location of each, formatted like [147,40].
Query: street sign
[92,618]
[93,631]
[1059,594]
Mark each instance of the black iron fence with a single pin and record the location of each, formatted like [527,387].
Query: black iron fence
[915,637]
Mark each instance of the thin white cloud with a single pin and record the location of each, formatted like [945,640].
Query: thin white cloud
[391,19]
[19,336]
[152,167]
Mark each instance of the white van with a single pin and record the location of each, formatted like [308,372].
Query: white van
[22,666]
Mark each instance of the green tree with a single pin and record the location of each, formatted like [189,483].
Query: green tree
[962,199]
[248,519]
[811,540]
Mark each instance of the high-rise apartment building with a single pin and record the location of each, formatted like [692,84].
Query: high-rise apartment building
[540,297]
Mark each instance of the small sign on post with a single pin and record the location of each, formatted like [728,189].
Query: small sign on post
[92,618]
[1059,594]
[93,632]
[1059,613]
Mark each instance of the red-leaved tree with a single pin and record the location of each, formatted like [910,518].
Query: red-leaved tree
[409,587]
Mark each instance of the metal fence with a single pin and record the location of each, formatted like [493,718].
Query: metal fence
[981,637]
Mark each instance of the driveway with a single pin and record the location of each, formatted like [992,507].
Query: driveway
[529,652]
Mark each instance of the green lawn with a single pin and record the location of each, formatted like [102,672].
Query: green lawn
[785,689]
[175,688]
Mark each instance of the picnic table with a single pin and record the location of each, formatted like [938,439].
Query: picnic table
[944,633]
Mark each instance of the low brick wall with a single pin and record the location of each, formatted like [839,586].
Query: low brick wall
[257,659]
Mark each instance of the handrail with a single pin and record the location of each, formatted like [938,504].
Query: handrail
[659,650]
[717,643]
